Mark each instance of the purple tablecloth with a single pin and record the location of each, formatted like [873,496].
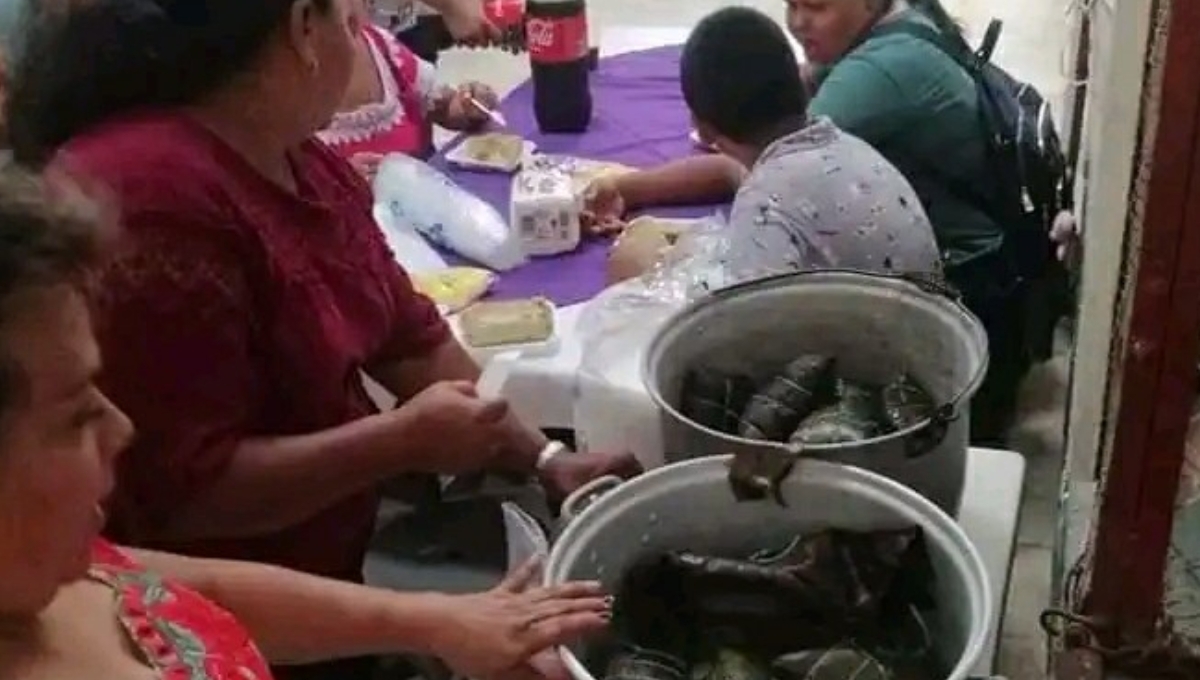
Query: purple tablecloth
[639,119]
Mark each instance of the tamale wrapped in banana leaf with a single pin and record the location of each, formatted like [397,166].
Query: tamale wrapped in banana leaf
[838,663]
[905,403]
[715,399]
[775,411]
[726,663]
[819,590]
[637,663]
[854,417]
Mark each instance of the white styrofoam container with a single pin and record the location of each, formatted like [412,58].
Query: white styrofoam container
[544,212]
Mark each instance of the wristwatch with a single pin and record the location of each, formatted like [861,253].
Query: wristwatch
[548,453]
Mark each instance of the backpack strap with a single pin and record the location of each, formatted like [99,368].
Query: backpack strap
[954,47]
[972,62]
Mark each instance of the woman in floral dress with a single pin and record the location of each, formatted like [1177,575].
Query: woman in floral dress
[74,607]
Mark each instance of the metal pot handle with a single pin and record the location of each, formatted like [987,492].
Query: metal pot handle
[583,497]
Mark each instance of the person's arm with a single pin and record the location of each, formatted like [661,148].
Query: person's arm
[176,322]
[404,374]
[707,178]
[297,618]
[465,20]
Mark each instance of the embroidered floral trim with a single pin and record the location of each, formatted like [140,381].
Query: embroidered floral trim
[172,648]
[371,119]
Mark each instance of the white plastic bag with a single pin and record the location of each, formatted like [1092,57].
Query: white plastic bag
[524,536]
[409,248]
[612,410]
[424,199]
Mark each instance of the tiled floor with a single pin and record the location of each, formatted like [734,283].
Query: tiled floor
[1033,48]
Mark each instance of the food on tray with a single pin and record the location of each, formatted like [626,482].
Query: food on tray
[494,148]
[805,403]
[456,287]
[508,322]
[643,243]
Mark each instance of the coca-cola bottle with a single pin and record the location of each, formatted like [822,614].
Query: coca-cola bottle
[556,35]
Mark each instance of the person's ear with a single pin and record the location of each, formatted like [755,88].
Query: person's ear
[302,30]
[708,135]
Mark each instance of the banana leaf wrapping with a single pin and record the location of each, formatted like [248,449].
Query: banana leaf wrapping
[636,663]
[855,416]
[774,412]
[820,590]
[715,399]
[905,403]
[839,663]
[730,664]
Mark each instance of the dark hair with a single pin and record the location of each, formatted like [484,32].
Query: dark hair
[50,235]
[83,64]
[740,75]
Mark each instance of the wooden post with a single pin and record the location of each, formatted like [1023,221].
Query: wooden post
[1157,351]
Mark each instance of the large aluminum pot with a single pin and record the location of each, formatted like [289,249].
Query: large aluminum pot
[877,326]
[689,505]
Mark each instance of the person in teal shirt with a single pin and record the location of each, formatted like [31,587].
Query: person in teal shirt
[919,109]
[12,13]
[11,16]
[915,105]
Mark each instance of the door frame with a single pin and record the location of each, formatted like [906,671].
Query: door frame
[1157,341]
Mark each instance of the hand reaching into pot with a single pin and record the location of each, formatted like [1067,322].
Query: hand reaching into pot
[501,634]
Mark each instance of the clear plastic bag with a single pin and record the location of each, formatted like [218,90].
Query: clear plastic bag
[523,535]
[613,411]
[411,194]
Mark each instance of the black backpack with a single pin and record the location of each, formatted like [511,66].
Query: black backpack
[1032,181]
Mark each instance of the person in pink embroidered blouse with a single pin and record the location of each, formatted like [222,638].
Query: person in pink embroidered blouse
[74,607]
[252,289]
[394,99]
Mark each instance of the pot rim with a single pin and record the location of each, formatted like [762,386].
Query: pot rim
[815,276]
[938,526]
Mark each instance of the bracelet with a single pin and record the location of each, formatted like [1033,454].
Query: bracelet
[548,453]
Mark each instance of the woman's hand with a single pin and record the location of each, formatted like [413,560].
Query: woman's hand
[1065,235]
[460,113]
[458,432]
[603,207]
[498,635]
[567,472]
[367,164]
[467,23]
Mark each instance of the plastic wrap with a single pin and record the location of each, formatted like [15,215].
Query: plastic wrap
[410,195]
[523,535]
[613,411]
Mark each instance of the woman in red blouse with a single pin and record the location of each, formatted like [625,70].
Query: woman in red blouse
[73,607]
[252,288]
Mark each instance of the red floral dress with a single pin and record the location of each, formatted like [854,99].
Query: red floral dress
[183,635]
